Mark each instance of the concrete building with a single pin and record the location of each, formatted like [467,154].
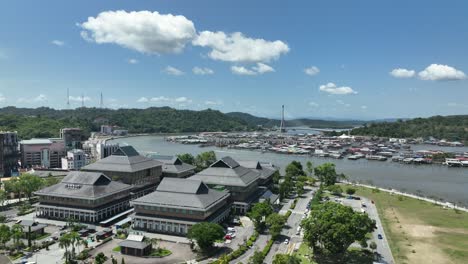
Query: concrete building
[45,153]
[72,137]
[75,160]
[174,167]
[106,129]
[135,245]
[265,169]
[84,196]
[128,166]
[9,154]
[98,148]
[241,182]
[177,204]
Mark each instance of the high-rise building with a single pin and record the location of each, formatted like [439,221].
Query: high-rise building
[72,137]
[9,154]
[75,160]
[39,152]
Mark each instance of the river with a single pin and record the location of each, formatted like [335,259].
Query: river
[436,181]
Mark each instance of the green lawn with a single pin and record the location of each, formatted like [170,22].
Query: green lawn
[417,229]
[304,253]
[116,249]
[160,252]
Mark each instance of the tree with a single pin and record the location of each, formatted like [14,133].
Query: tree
[310,168]
[258,213]
[13,186]
[30,183]
[205,234]
[75,240]
[285,187]
[122,261]
[334,227]
[100,258]
[275,223]
[17,233]
[187,158]
[335,189]
[350,191]
[276,177]
[300,188]
[326,173]
[49,181]
[65,243]
[286,259]
[257,257]
[5,234]
[204,160]
[373,245]
[3,197]
[294,169]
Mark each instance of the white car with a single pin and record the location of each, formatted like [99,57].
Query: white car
[286,241]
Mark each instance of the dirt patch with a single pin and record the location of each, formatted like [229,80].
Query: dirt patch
[419,241]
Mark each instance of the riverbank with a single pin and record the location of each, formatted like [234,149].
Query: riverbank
[420,230]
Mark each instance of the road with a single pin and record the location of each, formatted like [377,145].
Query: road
[382,244]
[290,229]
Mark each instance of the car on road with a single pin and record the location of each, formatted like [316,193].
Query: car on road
[363,205]
[379,236]
[286,241]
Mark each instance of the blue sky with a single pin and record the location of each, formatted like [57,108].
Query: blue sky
[365,59]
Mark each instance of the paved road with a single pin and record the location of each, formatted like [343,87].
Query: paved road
[382,244]
[289,232]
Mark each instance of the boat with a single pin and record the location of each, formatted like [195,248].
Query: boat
[376,157]
[453,162]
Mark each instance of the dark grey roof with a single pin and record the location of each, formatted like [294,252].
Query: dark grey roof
[266,170]
[173,164]
[183,193]
[228,172]
[134,244]
[47,173]
[34,225]
[84,185]
[125,159]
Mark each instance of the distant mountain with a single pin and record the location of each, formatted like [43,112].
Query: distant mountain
[441,127]
[300,122]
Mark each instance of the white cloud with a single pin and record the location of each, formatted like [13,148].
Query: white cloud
[363,107]
[173,71]
[236,47]
[40,98]
[439,72]
[142,100]
[57,42]
[182,99]
[160,99]
[202,71]
[313,70]
[143,31]
[259,68]
[331,88]
[453,104]
[314,104]
[132,61]
[402,73]
[212,103]
[2,98]
[79,98]
[37,99]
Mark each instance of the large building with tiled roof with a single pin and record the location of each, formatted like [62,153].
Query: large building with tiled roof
[84,196]
[174,167]
[177,204]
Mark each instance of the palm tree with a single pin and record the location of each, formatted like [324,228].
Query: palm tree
[65,242]
[75,240]
[17,233]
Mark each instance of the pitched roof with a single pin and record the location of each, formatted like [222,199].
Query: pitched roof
[125,159]
[84,185]
[184,194]
[265,169]
[173,164]
[228,172]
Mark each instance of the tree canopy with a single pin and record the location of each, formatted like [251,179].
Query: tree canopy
[294,169]
[326,173]
[334,227]
[205,234]
[258,213]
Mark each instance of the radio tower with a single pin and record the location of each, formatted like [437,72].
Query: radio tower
[68,98]
[282,126]
[101,103]
[82,100]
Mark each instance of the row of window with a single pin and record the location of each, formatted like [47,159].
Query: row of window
[171,210]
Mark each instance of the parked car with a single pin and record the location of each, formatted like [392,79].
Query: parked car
[379,236]
[363,205]
[286,241]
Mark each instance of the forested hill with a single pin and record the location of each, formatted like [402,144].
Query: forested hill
[304,122]
[46,122]
[441,127]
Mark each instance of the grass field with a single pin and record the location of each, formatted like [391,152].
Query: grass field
[421,232]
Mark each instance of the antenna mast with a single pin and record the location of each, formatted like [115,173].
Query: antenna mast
[82,100]
[282,125]
[101,102]
[68,98]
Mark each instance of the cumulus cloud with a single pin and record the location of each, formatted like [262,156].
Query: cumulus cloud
[57,42]
[143,31]
[173,71]
[132,61]
[79,98]
[212,103]
[182,99]
[38,99]
[142,100]
[202,71]
[236,47]
[331,88]
[313,70]
[166,100]
[363,107]
[313,104]
[259,68]
[439,72]
[402,73]
[2,98]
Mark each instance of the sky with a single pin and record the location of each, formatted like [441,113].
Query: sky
[321,59]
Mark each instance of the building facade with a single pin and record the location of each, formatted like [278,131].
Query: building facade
[72,137]
[98,148]
[174,167]
[177,204]
[75,160]
[9,154]
[128,166]
[84,196]
[44,153]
